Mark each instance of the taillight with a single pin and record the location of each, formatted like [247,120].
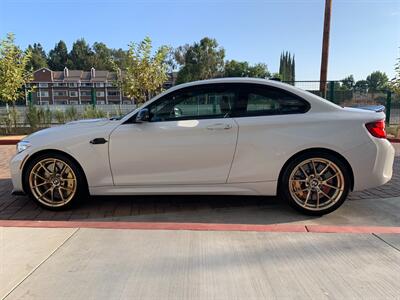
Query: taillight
[377,129]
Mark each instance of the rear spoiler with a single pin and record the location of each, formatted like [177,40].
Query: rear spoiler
[375,108]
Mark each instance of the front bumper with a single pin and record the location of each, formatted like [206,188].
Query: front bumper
[16,166]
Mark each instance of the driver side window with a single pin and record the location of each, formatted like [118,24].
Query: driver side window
[193,105]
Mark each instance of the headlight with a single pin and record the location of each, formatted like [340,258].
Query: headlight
[23,145]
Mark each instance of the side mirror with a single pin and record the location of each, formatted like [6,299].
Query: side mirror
[143,116]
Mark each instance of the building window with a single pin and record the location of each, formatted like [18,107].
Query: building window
[99,94]
[58,84]
[99,84]
[73,93]
[60,93]
[72,84]
[73,102]
[86,93]
[86,84]
[43,94]
[61,102]
[113,93]
[100,102]
[44,102]
[43,84]
[109,84]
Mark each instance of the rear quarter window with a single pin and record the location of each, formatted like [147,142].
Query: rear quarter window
[262,101]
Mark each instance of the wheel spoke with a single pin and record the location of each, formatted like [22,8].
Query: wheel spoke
[308,197]
[304,172]
[323,193]
[61,194]
[333,176]
[48,190]
[40,184]
[324,169]
[37,175]
[298,180]
[332,186]
[315,170]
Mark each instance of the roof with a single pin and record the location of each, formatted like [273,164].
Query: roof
[80,75]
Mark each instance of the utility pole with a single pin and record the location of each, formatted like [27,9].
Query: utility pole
[325,47]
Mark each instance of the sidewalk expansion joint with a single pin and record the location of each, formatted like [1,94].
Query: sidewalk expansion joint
[387,243]
[41,263]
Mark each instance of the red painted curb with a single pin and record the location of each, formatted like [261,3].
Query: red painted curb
[9,142]
[352,229]
[153,226]
[200,226]
[394,140]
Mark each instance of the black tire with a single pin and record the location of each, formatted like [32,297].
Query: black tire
[285,187]
[79,187]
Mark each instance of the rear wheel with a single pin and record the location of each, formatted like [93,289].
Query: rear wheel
[54,181]
[315,184]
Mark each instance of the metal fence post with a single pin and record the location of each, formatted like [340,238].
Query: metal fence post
[30,98]
[93,94]
[388,106]
[332,91]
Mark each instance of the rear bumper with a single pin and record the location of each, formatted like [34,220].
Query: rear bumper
[372,163]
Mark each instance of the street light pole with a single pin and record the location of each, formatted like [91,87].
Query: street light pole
[325,47]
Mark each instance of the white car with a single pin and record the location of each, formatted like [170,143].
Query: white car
[232,136]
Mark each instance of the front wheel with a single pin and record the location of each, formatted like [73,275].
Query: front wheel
[54,181]
[315,184]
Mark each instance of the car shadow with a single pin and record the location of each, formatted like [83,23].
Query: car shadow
[201,209]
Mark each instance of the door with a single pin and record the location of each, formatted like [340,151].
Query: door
[190,139]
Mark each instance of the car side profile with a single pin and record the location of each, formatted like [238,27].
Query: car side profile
[231,136]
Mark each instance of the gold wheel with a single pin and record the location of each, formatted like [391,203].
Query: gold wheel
[316,184]
[52,182]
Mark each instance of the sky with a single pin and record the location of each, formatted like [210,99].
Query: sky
[365,34]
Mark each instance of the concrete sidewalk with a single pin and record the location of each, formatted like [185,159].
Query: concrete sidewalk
[137,264]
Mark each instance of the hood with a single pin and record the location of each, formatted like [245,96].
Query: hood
[72,129]
[96,122]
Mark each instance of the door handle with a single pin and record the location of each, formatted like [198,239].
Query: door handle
[98,141]
[219,126]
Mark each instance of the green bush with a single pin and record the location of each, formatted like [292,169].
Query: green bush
[71,114]
[32,117]
[59,115]
[91,112]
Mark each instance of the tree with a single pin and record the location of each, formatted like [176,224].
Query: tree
[13,69]
[361,86]
[38,57]
[377,81]
[144,74]
[348,83]
[102,57]
[201,60]
[287,67]
[395,82]
[58,57]
[81,55]
[119,57]
[235,68]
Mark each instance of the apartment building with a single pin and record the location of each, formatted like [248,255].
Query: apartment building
[79,87]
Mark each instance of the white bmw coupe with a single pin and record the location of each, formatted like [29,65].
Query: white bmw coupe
[238,136]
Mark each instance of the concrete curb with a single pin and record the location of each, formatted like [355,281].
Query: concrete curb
[201,226]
